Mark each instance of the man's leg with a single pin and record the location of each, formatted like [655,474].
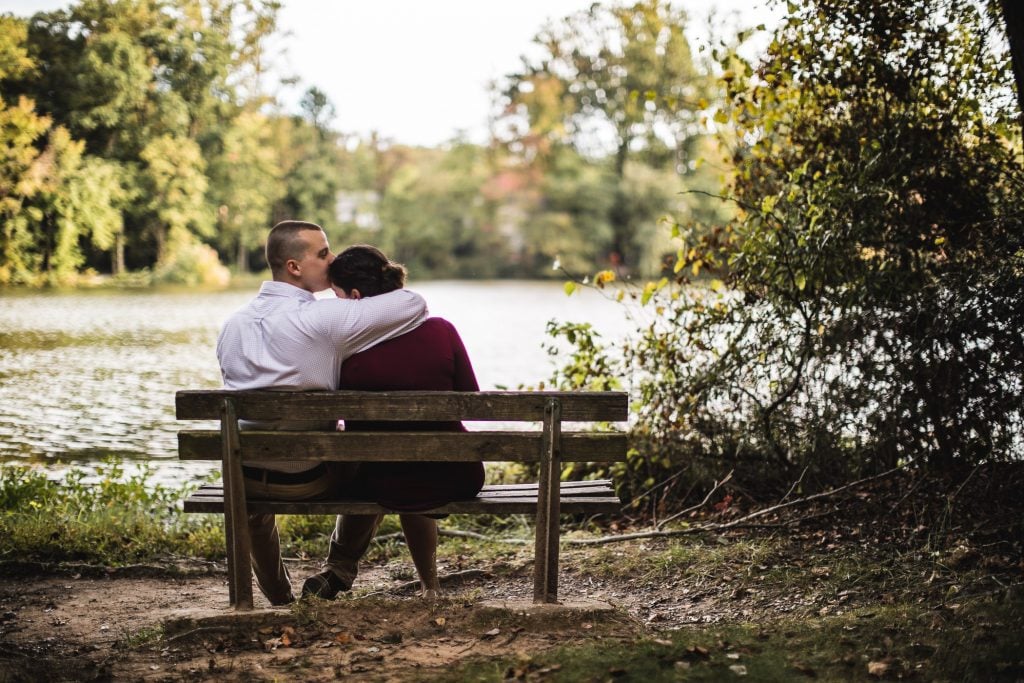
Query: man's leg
[271,574]
[349,542]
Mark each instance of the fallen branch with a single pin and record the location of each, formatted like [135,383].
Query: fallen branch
[456,533]
[740,520]
[718,485]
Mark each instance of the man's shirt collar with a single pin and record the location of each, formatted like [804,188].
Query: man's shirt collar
[275,288]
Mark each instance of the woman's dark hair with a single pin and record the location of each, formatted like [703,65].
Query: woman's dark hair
[367,269]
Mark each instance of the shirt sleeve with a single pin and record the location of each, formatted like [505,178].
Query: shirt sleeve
[357,324]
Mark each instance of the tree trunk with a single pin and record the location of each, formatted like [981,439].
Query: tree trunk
[242,258]
[117,265]
[618,217]
[160,234]
[1013,17]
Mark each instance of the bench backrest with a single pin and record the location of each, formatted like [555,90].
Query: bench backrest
[548,408]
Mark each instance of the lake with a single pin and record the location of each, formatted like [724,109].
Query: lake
[84,375]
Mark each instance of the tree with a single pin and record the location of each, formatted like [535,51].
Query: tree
[623,73]
[871,310]
[174,185]
[248,176]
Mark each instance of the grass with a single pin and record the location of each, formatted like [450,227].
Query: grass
[111,519]
[976,643]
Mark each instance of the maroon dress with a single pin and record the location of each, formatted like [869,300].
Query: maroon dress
[431,357]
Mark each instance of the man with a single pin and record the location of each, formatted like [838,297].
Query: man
[286,338]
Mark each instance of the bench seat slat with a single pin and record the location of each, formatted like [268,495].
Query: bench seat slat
[598,499]
[404,446]
[505,406]
[601,487]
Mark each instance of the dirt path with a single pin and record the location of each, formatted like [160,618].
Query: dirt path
[75,627]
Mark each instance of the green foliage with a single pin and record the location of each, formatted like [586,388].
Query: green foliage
[618,72]
[192,264]
[107,518]
[863,309]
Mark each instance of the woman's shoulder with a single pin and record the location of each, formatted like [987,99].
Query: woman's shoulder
[437,323]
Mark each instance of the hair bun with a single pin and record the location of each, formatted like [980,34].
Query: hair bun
[393,274]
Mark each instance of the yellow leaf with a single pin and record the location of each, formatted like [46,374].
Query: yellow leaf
[717,285]
[939,241]
[721,116]
[569,288]
[648,292]
[695,268]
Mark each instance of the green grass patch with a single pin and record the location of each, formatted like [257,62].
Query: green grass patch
[108,518]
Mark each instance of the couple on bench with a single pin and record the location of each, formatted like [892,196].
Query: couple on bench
[373,336]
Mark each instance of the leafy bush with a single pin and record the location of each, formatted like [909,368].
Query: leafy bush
[864,310]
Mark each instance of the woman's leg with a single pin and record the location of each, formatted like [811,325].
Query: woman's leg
[421,537]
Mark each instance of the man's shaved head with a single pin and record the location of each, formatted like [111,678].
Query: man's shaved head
[283,244]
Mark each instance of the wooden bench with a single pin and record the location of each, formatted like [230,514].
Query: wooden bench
[547,445]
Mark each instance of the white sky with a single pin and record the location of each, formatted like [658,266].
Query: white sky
[418,71]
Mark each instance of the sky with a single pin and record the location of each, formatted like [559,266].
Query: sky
[415,71]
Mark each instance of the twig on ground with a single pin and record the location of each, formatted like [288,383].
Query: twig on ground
[795,484]
[444,580]
[456,533]
[186,634]
[718,485]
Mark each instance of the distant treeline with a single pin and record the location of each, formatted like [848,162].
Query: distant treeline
[139,140]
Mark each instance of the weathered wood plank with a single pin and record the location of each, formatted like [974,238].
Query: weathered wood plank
[489,493]
[525,506]
[399,446]
[506,406]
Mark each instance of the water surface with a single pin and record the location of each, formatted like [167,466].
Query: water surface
[84,375]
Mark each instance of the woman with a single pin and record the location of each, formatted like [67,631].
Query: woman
[431,357]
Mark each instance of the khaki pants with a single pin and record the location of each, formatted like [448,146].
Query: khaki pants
[349,541]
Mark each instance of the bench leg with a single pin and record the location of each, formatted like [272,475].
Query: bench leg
[545,570]
[236,515]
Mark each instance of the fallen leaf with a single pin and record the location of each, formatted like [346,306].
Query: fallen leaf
[878,669]
[492,633]
[662,641]
[588,625]
[439,621]
[698,651]
[343,638]
[738,669]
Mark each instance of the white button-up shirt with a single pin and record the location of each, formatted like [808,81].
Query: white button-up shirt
[288,339]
